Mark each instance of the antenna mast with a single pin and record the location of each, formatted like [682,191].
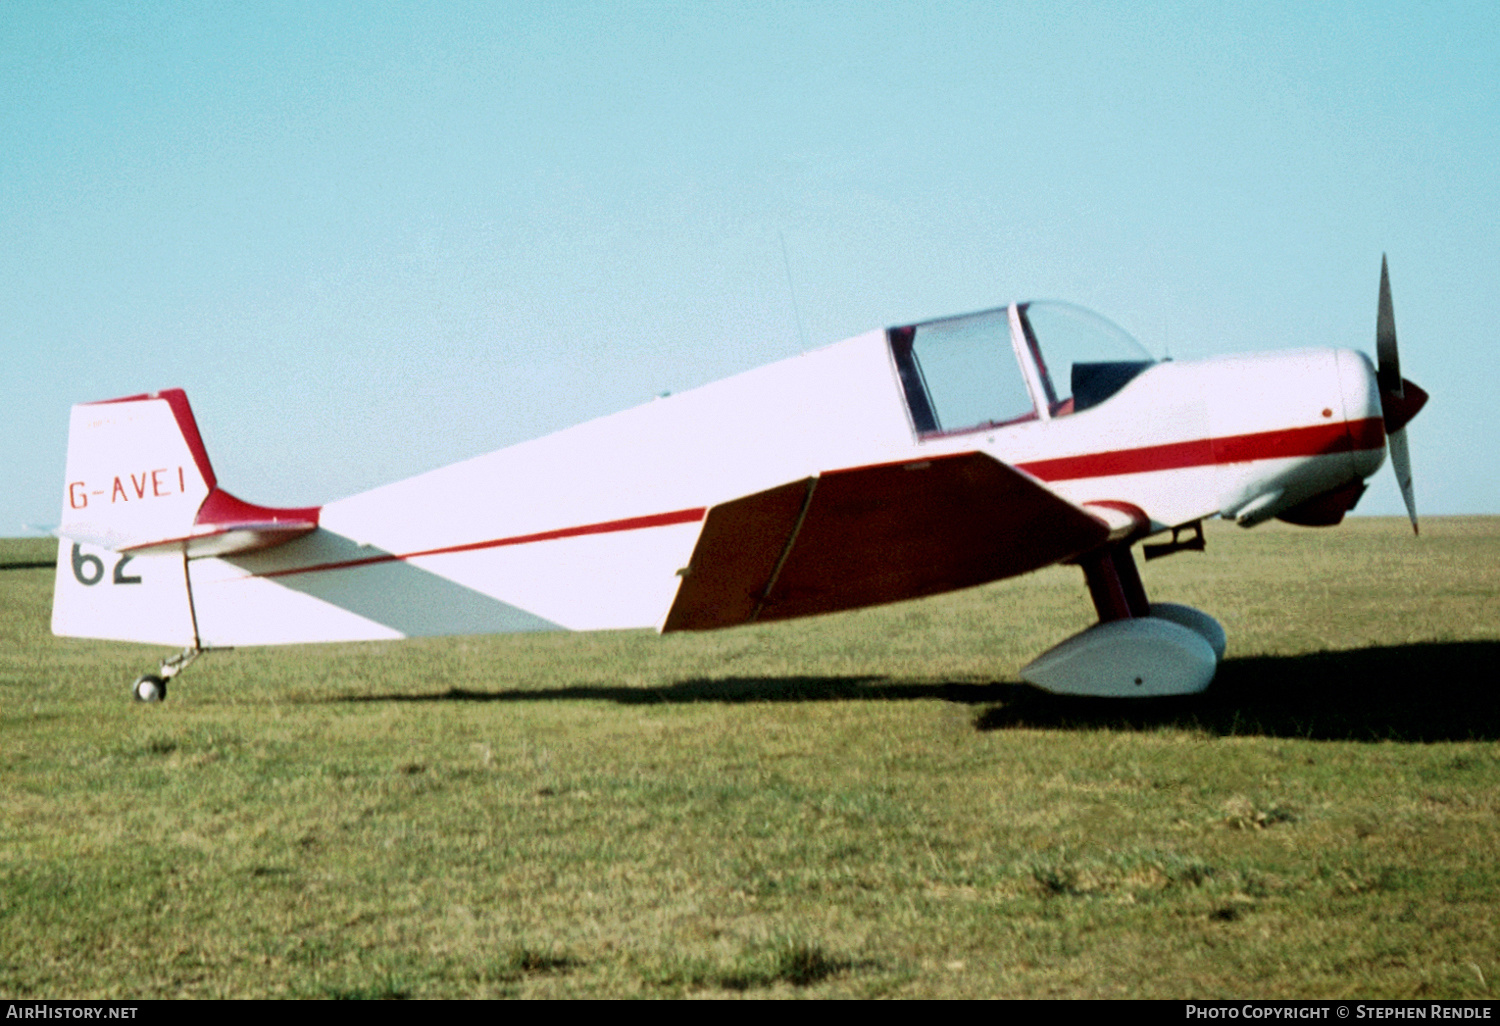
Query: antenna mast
[792,289]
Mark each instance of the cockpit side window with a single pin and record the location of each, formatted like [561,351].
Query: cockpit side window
[960,374]
[1082,358]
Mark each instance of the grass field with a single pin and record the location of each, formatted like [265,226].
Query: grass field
[860,805]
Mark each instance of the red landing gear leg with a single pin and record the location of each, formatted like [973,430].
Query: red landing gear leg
[1115,583]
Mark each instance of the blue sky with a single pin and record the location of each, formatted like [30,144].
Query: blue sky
[370,239]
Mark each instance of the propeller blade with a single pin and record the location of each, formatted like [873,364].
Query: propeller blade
[1395,405]
[1387,360]
[1401,464]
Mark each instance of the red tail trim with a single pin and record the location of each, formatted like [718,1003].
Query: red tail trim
[224,511]
[177,400]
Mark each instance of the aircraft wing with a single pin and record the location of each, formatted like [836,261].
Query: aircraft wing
[868,535]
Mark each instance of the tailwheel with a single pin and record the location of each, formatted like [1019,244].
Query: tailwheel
[152,687]
[149,688]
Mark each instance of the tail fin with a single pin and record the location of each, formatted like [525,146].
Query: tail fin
[137,472]
[141,499]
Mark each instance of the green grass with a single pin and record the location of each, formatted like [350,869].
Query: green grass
[860,805]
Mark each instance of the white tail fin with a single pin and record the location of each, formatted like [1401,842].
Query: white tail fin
[137,472]
[141,500]
[137,475]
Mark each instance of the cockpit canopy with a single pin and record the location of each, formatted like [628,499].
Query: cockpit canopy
[1023,362]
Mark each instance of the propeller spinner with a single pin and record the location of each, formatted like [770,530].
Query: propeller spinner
[1400,400]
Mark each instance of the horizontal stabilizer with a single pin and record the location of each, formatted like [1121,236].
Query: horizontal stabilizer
[226,525]
[871,535]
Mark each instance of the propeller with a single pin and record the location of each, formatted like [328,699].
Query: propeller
[1400,400]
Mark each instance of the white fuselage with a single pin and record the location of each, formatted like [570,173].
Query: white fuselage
[588,528]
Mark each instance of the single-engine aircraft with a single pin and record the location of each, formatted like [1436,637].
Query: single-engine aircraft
[894,465]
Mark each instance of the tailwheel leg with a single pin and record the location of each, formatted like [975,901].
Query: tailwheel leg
[152,687]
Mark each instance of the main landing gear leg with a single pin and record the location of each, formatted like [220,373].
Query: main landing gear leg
[1138,648]
[152,687]
[1115,583]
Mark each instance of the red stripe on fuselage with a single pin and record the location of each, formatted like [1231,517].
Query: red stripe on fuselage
[681,516]
[1316,440]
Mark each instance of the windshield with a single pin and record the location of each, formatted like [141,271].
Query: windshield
[1082,358]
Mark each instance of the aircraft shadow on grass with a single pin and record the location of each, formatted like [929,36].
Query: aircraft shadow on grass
[1435,691]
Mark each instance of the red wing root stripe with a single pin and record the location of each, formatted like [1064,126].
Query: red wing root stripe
[1317,440]
[682,516]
